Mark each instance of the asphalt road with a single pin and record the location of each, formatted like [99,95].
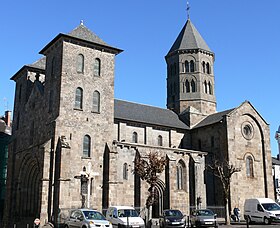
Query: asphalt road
[243,225]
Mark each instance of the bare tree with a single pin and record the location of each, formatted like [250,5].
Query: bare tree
[224,171]
[147,168]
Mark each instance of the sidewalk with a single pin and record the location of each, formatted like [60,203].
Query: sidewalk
[234,225]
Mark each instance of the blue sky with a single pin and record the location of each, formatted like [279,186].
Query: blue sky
[244,34]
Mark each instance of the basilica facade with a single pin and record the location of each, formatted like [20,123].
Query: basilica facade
[74,144]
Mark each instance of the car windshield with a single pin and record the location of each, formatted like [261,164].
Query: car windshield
[204,213]
[93,215]
[271,206]
[127,213]
[173,213]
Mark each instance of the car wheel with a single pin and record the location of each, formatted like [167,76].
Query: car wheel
[266,221]
[66,226]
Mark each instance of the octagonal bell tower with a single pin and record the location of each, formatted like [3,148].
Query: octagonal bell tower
[190,75]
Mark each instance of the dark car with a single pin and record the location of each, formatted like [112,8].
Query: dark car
[172,218]
[203,218]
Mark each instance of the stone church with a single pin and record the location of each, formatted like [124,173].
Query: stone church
[74,144]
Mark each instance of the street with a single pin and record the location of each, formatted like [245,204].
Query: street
[243,225]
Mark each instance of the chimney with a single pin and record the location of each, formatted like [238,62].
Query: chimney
[8,118]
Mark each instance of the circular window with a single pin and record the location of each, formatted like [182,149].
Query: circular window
[247,130]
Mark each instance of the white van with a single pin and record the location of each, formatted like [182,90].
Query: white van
[123,216]
[261,210]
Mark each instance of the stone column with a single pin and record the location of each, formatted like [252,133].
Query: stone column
[200,188]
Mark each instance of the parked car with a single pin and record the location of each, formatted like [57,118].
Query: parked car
[203,218]
[261,210]
[172,218]
[86,218]
[123,216]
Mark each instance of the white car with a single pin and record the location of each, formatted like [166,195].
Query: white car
[86,218]
[123,216]
[261,210]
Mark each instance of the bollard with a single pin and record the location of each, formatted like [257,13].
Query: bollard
[15,225]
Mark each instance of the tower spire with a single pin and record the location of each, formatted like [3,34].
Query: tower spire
[188,10]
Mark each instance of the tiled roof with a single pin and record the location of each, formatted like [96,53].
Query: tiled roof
[147,114]
[214,118]
[189,38]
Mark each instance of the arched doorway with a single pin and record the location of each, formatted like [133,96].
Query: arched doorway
[159,204]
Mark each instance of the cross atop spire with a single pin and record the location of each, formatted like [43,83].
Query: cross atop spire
[188,10]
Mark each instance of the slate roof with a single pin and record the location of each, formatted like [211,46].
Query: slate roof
[40,64]
[189,38]
[147,114]
[214,118]
[275,161]
[82,32]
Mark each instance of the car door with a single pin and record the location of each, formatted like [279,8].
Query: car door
[260,214]
[75,220]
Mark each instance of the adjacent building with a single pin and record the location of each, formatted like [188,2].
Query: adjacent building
[74,144]
[5,138]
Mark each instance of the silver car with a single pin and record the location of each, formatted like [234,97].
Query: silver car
[203,218]
[86,218]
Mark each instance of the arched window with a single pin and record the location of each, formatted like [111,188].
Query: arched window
[160,140]
[134,137]
[187,66]
[191,66]
[96,102]
[187,86]
[249,167]
[181,175]
[205,86]
[203,67]
[80,63]
[210,88]
[193,86]
[79,98]
[208,68]
[125,173]
[97,67]
[86,146]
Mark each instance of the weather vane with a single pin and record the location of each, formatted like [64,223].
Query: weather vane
[188,10]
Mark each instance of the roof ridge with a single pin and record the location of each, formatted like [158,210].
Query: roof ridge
[148,105]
